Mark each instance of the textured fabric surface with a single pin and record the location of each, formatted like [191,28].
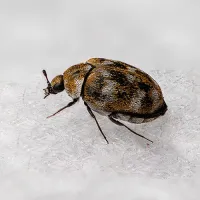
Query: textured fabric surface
[66,156]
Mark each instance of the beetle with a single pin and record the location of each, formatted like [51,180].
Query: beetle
[111,88]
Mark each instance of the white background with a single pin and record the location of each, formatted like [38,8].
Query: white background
[66,157]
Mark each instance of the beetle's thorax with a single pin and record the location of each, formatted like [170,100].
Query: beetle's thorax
[74,78]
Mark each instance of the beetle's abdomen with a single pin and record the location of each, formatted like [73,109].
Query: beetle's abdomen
[112,89]
[140,118]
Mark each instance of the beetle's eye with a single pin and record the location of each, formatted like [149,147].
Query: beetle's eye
[58,87]
[58,84]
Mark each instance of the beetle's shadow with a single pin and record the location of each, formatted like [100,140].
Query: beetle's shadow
[174,139]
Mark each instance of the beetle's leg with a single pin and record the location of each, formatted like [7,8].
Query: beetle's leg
[68,105]
[120,124]
[93,116]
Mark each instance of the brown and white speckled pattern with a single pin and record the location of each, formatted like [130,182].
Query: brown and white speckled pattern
[116,87]
[57,79]
[74,78]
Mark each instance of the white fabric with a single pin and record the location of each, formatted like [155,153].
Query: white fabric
[66,156]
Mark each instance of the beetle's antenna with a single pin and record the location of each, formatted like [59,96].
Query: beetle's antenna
[48,90]
[45,74]
[121,124]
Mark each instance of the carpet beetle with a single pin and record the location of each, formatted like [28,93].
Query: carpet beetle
[112,88]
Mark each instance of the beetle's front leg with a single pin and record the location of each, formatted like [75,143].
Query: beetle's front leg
[93,116]
[68,105]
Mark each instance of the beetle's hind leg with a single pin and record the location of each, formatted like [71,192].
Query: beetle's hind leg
[93,116]
[121,124]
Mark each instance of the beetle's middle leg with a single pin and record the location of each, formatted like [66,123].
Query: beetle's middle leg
[93,116]
[68,105]
[121,124]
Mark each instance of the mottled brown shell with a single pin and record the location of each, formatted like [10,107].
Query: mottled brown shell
[126,92]
[115,88]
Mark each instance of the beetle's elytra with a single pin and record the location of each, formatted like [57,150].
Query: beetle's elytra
[111,88]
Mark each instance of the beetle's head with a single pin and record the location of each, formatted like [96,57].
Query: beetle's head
[56,85]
